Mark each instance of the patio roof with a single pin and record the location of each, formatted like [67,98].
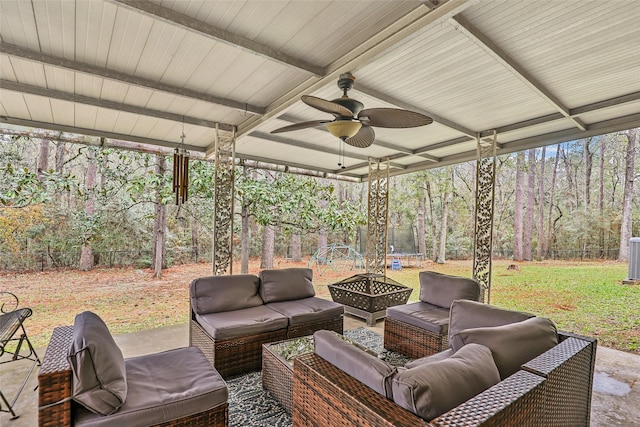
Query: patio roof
[536,72]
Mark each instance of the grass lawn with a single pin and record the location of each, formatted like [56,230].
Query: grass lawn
[582,297]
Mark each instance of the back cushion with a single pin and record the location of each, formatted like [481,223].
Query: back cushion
[359,363]
[429,390]
[99,374]
[215,294]
[441,289]
[471,314]
[514,344]
[286,284]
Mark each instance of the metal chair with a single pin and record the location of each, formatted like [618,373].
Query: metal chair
[12,332]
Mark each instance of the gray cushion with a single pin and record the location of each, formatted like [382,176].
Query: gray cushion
[216,294]
[362,365]
[421,315]
[307,310]
[164,387]
[442,289]
[431,389]
[99,374]
[286,284]
[471,314]
[248,321]
[429,359]
[514,344]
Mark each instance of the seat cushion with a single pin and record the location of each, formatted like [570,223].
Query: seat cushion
[429,390]
[215,294]
[472,314]
[307,310]
[99,374]
[421,315]
[286,284]
[360,364]
[248,321]
[164,387]
[442,290]
[514,344]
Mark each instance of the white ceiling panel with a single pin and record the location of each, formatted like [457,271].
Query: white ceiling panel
[537,71]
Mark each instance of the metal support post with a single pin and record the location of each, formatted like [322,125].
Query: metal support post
[378,206]
[222,243]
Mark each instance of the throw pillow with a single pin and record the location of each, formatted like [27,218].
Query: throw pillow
[99,374]
[431,389]
[514,344]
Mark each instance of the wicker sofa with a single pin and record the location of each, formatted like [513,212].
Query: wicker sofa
[232,316]
[552,388]
[421,328]
[85,382]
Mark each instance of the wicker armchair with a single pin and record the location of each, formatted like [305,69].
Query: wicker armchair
[421,328]
[552,389]
[55,389]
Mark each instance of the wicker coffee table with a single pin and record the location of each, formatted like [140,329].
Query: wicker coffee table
[277,367]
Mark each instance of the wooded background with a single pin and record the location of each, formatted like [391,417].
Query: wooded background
[64,204]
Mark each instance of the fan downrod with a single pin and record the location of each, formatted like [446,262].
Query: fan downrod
[345,82]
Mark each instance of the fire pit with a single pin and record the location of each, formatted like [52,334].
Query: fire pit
[368,295]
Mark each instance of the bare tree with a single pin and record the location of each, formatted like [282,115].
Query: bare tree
[43,159]
[434,240]
[86,253]
[527,234]
[554,176]
[158,253]
[601,194]
[588,166]
[296,248]
[627,200]
[518,210]
[540,231]
[443,221]
[422,242]
[268,246]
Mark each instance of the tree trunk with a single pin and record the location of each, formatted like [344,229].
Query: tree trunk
[442,253]
[61,150]
[195,230]
[86,255]
[434,239]
[245,238]
[627,200]
[588,167]
[601,195]
[539,246]
[519,207]
[268,246]
[422,241]
[296,248]
[547,239]
[527,233]
[159,254]
[43,159]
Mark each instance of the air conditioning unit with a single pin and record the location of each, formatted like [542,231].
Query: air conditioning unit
[634,259]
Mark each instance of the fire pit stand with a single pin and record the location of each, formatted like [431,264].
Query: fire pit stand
[368,295]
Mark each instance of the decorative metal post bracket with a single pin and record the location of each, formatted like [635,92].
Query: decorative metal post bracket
[222,240]
[378,206]
[483,236]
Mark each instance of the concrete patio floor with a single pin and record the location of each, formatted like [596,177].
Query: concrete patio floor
[616,391]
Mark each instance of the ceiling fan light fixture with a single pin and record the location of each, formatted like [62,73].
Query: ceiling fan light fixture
[344,129]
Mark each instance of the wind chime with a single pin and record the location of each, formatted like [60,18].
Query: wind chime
[181,171]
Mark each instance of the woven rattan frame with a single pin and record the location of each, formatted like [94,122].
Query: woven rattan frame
[54,385]
[233,356]
[552,389]
[238,355]
[411,340]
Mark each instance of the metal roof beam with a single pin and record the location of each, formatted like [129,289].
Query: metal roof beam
[175,18]
[34,56]
[93,132]
[103,103]
[466,28]
[387,37]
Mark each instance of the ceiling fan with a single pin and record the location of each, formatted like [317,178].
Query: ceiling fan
[352,123]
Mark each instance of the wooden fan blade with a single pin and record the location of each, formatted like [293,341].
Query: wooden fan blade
[326,106]
[302,125]
[393,118]
[363,138]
